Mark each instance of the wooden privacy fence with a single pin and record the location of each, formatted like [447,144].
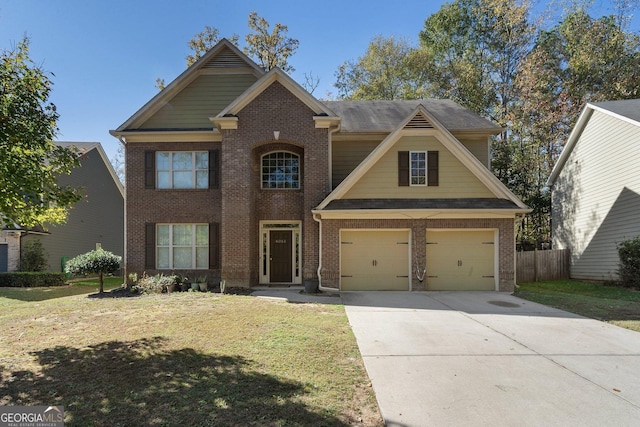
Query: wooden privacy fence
[536,266]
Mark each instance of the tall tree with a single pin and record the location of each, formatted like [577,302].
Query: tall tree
[390,69]
[30,162]
[270,50]
[475,47]
[579,60]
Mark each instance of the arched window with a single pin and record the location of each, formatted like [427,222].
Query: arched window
[281,169]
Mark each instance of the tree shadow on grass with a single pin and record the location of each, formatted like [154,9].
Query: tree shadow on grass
[139,383]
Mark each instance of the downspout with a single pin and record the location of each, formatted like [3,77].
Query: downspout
[123,141]
[317,218]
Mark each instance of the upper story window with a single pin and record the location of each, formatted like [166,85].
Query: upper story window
[281,169]
[418,167]
[182,169]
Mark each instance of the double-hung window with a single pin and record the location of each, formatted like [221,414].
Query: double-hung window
[182,246]
[418,167]
[182,169]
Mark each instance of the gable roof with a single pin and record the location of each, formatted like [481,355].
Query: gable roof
[385,116]
[275,74]
[223,55]
[425,120]
[625,110]
[85,147]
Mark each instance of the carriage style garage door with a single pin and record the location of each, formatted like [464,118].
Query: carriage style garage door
[461,260]
[374,260]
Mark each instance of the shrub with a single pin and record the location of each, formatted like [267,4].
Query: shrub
[629,268]
[31,279]
[33,257]
[154,284]
[97,261]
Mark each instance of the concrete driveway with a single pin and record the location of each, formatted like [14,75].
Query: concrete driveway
[486,358]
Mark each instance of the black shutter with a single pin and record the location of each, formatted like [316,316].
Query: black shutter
[214,245]
[432,169]
[214,169]
[403,168]
[150,169]
[150,246]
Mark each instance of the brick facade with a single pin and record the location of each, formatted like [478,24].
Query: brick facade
[330,272]
[152,206]
[245,204]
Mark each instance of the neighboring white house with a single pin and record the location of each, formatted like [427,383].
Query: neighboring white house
[595,188]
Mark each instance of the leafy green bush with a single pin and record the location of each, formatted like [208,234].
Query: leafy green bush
[33,257]
[97,261]
[154,284]
[31,279]
[629,268]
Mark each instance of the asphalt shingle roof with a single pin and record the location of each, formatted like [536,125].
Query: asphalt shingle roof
[385,116]
[629,108]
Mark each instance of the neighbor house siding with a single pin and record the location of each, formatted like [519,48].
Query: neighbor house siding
[596,197]
[205,97]
[455,179]
[97,218]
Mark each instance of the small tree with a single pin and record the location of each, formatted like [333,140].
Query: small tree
[629,269]
[33,257]
[97,261]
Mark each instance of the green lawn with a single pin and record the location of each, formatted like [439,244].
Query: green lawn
[78,287]
[615,305]
[182,359]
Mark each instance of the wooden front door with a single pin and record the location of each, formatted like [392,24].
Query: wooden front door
[280,256]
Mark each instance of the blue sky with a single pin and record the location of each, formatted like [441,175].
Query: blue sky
[106,55]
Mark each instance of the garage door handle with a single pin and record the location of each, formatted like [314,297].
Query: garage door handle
[459,263]
[374,263]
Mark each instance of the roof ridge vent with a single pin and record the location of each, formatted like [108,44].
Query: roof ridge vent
[419,121]
[226,58]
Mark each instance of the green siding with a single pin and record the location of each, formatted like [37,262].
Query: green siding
[205,97]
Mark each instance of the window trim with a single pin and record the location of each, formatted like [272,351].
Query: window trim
[426,168]
[194,246]
[262,173]
[194,169]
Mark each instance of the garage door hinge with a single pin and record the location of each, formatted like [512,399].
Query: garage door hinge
[488,277]
[402,243]
[488,243]
[432,243]
[346,276]
[402,276]
[432,276]
[347,243]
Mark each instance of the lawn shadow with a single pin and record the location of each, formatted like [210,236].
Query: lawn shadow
[142,383]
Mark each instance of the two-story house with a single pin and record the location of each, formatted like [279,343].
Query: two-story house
[244,176]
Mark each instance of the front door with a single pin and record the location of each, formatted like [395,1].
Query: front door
[280,259]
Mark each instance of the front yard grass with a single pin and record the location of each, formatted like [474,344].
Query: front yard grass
[619,306]
[186,358]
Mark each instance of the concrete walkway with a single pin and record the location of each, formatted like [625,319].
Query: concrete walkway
[491,359]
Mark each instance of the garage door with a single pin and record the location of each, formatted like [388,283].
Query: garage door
[461,260]
[374,260]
